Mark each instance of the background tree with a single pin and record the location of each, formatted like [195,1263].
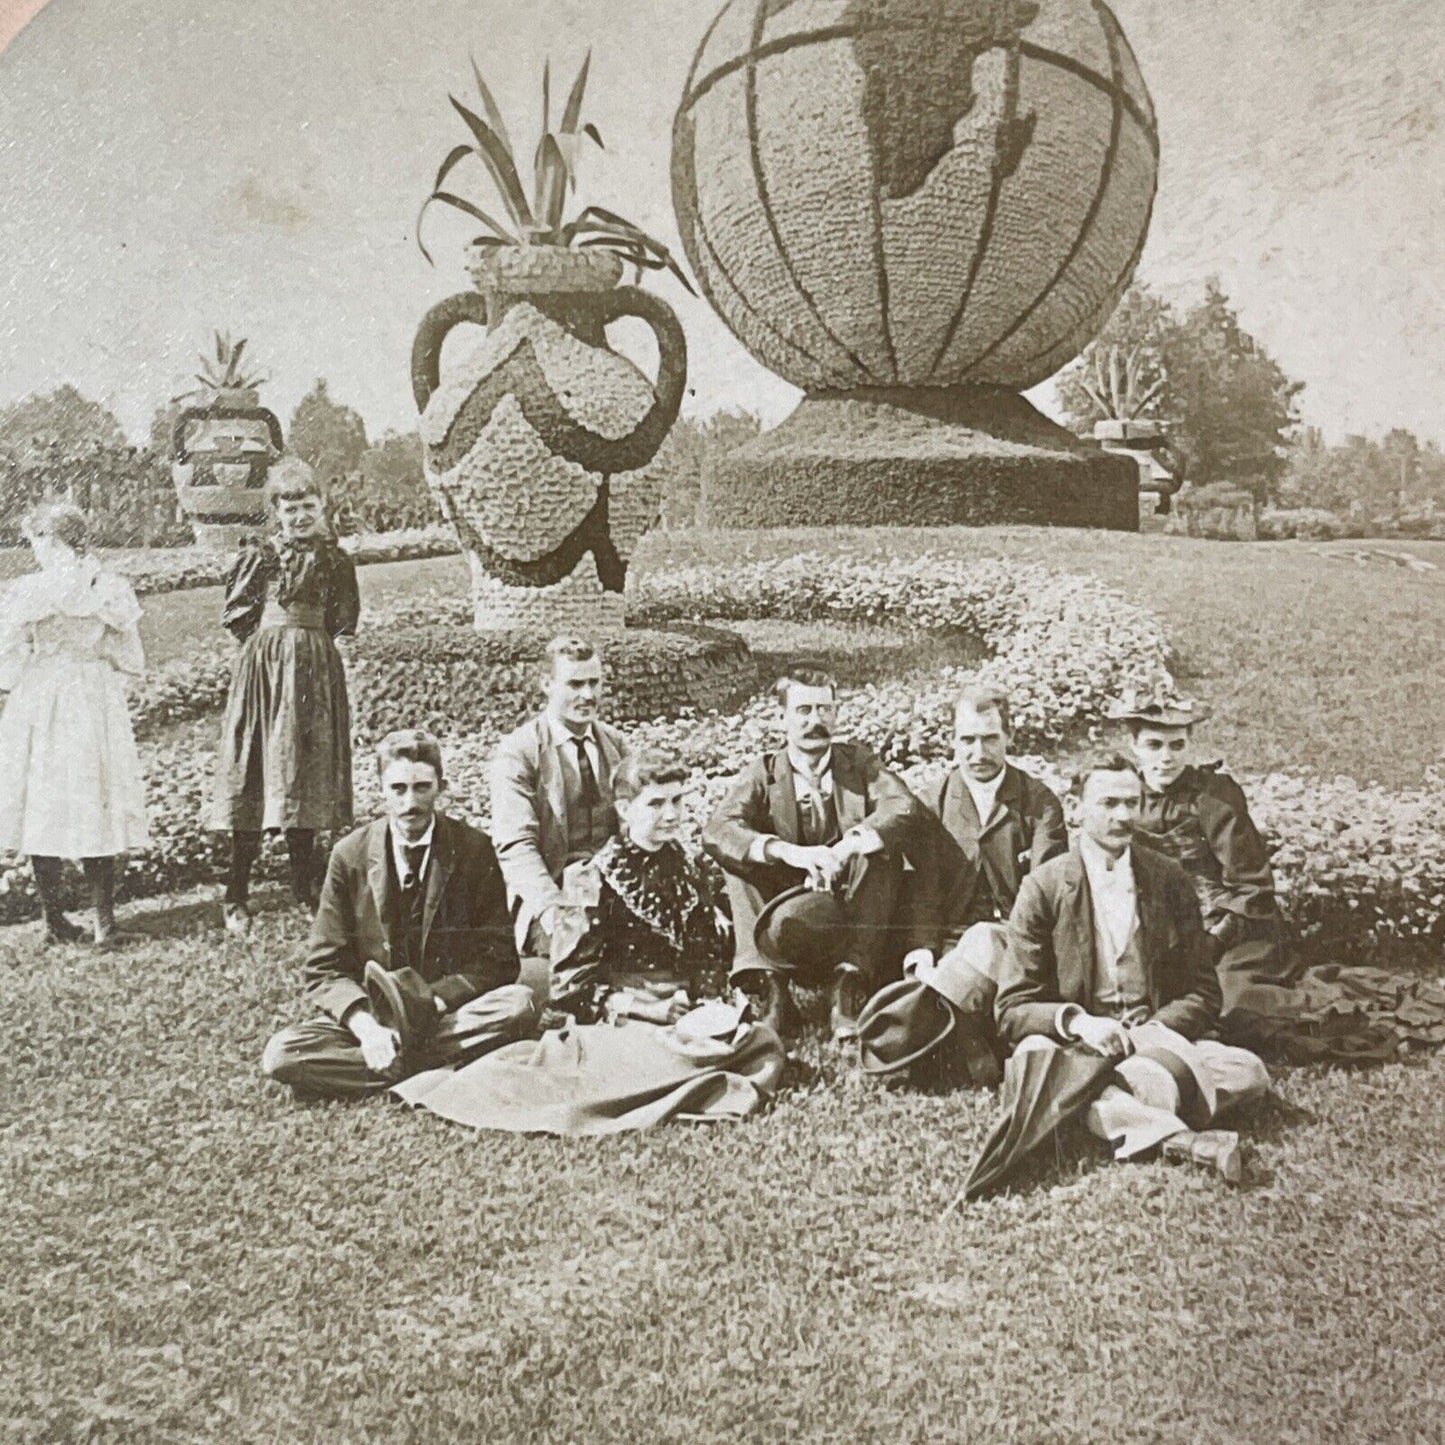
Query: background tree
[692,448]
[328,435]
[387,490]
[61,444]
[1233,406]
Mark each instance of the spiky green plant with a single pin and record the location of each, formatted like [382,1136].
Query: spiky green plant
[1116,385]
[223,372]
[539,220]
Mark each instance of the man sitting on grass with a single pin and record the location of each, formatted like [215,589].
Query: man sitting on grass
[413,923]
[824,823]
[1107,952]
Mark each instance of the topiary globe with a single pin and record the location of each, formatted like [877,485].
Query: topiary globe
[888,198]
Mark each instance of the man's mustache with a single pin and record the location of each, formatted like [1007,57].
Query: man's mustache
[817,732]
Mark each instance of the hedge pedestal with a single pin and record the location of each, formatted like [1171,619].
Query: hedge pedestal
[538,440]
[446,676]
[890,200]
[927,457]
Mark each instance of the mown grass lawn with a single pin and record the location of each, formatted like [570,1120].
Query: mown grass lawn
[188,1255]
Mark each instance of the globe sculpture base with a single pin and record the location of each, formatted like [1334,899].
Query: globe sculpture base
[921,457]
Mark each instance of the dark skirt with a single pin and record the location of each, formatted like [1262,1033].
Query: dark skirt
[285,754]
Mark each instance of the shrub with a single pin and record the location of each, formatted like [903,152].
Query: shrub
[1277,524]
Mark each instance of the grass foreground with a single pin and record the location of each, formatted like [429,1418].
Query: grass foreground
[190,1255]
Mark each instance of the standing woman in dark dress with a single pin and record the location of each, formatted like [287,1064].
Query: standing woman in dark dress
[285,757]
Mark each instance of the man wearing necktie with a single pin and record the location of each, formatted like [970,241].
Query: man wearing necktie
[1107,953]
[420,895]
[827,815]
[552,800]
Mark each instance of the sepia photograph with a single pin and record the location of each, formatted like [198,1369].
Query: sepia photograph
[722,721]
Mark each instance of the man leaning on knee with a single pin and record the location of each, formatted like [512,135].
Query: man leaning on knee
[411,961]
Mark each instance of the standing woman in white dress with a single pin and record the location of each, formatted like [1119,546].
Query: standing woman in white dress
[70,778]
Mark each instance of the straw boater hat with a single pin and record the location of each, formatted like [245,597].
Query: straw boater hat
[1164,708]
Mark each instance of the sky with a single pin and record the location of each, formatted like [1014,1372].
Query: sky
[168,167]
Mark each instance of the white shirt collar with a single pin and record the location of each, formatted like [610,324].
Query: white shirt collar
[803,768]
[1097,860]
[563,737]
[985,795]
[399,844]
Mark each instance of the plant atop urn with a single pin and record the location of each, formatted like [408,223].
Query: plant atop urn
[222,445]
[538,440]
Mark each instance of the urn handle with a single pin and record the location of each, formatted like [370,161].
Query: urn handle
[426,350]
[181,454]
[640,446]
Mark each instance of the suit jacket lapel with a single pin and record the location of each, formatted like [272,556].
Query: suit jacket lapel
[960,816]
[1074,948]
[783,799]
[1150,931]
[999,841]
[437,875]
[850,793]
[554,782]
[378,875]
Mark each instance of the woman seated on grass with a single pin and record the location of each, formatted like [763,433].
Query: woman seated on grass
[654,942]
[638,943]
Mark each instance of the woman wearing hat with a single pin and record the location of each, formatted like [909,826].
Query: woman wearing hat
[285,757]
[70,778]
[1197,815]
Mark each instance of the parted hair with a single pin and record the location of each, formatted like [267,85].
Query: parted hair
[1101,763]
[985,697]
[642,769]
[805,674]
[62,520]
[574,649]
[410,745]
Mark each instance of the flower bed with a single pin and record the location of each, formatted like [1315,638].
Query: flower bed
[1355,863]
[179,569]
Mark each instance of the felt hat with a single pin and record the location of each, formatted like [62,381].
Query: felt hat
[401,1000]
[803,928]
[1165,709]
[901,1024]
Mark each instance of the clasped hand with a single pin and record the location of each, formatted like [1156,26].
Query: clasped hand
[380,1046]
[1104,1036]
[823,866]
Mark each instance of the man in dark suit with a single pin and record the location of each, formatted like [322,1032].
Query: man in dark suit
[1107,952]
[995,824]
[827,816]
[421,895]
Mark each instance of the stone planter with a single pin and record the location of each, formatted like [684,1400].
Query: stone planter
[220,454]
[538,440]
[1146,443]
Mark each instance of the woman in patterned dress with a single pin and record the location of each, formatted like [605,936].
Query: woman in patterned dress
[70,777]
[285,757]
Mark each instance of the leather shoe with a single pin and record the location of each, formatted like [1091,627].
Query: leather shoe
[1216,1149]
[850,993]
[780,1013]
[60,929]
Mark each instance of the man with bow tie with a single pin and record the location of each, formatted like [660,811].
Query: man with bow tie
[418,898]
[822,816]
[995,824]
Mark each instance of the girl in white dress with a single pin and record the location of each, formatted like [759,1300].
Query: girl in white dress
[70,778]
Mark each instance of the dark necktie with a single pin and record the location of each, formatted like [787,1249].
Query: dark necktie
[590,795]
[415,855]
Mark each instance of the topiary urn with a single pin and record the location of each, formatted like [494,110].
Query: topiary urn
[538,440]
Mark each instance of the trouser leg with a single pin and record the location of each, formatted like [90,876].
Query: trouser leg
[321,1057]
[871,892]
[48,874]
[245,848]
[747,900]
[301,854]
